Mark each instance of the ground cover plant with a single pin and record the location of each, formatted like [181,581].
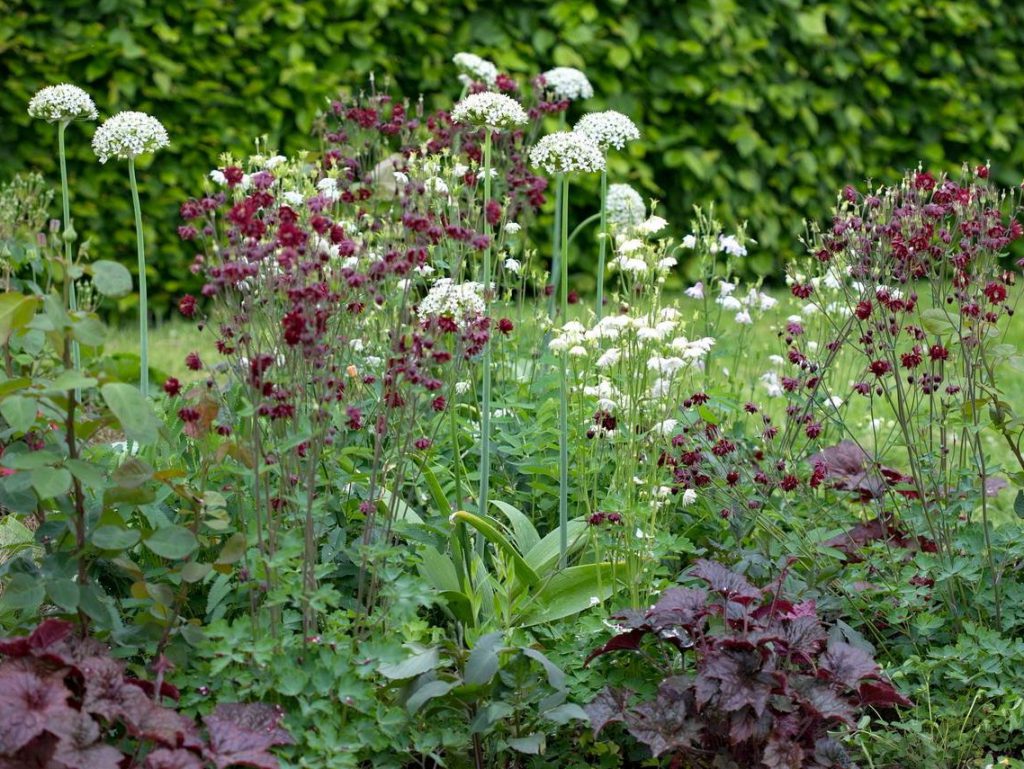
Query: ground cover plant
[402,489]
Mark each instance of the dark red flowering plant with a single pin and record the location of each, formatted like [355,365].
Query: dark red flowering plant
[750,678]
[66,704]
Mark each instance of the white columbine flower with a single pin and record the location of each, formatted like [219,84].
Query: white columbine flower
[274,162]
[610,129]
[494,110]
[653,225]
[689,241]
[725,288]
[567,83]
[567,151]
[217,177]
[461,388]
[743,318]
[624,206]
[731,245]
[772,383]
[127,135]
[512,228]
[291,197]
[513,265]
[689,497]
[696,291]
[665,427]
[62,104]
[474,67]
[609,358]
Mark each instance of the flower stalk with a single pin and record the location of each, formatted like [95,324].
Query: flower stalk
[143,299]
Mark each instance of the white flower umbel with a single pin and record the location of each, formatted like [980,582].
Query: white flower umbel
[567,151]
[62,104]
[475,68]
[567,83]
[625,206]
[447,299]
[610,129]
[494,110]
[127,135]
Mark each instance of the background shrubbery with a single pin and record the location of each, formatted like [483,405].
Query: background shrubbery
[766,106]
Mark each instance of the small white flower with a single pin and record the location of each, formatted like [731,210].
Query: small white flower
[293,198]
[689,497]
[639,534]
[358,345]
[128,135]
[629,246]
[609,129]
[771,382]
[461,388]
[696,291]
[630,265]
[665,427]
[609,358]
[577,351]
[435,185]
[567,83]
[62,104]
[725,288]
[513,265]
[494,110]
[400,178]
[653,225]
[447,299]
[777,360]
[274,162]
[476,68]
[624,206]
[566,152]
[730,303]
[217,177]
[594,600]
[690,241]
[766,302]
[743,318]
[731,245]
[667,263]
[373,361]
[512,228]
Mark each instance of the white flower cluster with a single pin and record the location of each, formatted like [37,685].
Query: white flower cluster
[447,299]
[475,68]
[62,103]
[567,151]
[127,135]
[494,110]
[610,129]
[730,244]
[569,338]
[636,257]
[743,305]
[567,83]
[624,206]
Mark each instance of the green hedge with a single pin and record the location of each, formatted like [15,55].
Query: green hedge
[764,106]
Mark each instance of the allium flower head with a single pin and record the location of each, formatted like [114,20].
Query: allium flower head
[624,205]
[475,68]
[62,103]
[127,135]
[457,301]
[568,83]
[567,151]
[610,129]
[494,110]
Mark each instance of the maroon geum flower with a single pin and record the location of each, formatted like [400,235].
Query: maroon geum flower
[187,305]
[172,387]
[193,362]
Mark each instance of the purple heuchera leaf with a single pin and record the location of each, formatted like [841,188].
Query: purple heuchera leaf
[79,746]
[29,705]
[847,664]
[163,758]
[783,754]
[609,706]
[242,735]
[663,724]
[725,582]
[629,641]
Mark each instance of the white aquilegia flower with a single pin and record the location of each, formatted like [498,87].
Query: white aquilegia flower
[689,241]
[725,288]
[743,318]
[653,225]
[609,358]
[217,177]
[513,265]
[461,388]
[457,301]
[62,104]
[772,384]
[474,67]
[665,427]
[567,83]
[567,151]
[609,129]
[696,291]
[689,497]
[512,228]
[127,135]
[494,110]
[624,206]
[731,245]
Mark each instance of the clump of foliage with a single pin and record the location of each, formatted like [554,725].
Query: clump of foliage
[65,703]
[760,682]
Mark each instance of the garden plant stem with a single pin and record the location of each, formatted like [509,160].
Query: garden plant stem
[143,301]
[563,396]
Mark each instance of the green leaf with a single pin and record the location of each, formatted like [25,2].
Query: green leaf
[89,331]
[110,537]
[487,527]
[571,591]
[543,556]
[19,412]
[532,744]
[64,593]
[233,549]
[526,535]
[23,591]
[937,321]
[482,664]
[172,542]
[70,379]
[417,664]
[16,311]
[428,691]
[133,411]
[1018,503]
[438,569]
[51,482]
[193,571]
[132,474]
[111,279]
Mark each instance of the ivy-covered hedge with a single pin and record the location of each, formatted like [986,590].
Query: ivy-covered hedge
[765,106]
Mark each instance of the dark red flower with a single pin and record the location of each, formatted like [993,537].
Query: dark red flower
[187,305]
[172,387]
[505,326]
[193,362]
[880,367]
[995,292]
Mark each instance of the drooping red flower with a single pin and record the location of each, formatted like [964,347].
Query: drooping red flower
[172,387]
[187,305]
[193,362]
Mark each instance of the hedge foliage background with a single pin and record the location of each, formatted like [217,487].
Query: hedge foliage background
[765,106]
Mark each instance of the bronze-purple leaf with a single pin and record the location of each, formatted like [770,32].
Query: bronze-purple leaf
[609,706]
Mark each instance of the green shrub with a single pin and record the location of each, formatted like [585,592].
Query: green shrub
[765,106]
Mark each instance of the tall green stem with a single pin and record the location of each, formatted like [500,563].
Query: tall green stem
[143,300]
[557,237]
[485,409]
[602,237]
[563,390]
[68,237]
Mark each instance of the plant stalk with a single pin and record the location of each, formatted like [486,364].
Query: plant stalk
[143,299]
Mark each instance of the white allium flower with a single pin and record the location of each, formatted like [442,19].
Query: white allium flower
[447,299]
[689,241]
[217,177]
[696,291]
[567,83]
[62,103]
[513,265]
[494,110]
[476,68]
[127,135]
[731,245]
[512,228]
[609,130]
[624,206]
[567,151]
[653,225]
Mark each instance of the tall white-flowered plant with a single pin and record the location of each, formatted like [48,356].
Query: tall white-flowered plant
[625,207]
[567,152]
[473,68]
[567,83]
[492,110]
[609,130]
[125,136]
[455,301]
[64,104]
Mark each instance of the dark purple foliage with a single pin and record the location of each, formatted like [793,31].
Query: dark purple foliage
[64,703]
[762,685]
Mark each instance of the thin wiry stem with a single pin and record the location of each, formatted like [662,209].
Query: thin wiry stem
[143,300]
